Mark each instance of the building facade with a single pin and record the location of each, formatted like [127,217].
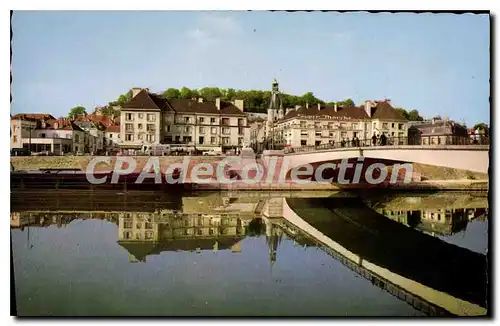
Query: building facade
[436,132]
[317,125]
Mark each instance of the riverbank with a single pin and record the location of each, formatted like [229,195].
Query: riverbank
[426,177]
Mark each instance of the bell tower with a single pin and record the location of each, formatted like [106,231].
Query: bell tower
[273,112]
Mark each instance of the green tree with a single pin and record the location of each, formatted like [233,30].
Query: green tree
[413,115]
[77,111]
[229,94]
[309,98]
[210,93]
[172,93]
[402,112]
[122,99]
[480,126]
[187,93]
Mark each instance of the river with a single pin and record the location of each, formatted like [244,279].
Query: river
[238,254]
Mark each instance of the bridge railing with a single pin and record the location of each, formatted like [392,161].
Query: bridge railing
[394,141]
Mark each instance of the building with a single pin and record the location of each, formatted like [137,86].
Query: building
[112,136]
[185,124]
[258,134]
[436,132]
[44,133]
[94,135]
[317,125]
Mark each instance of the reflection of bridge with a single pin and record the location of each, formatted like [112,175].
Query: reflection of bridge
[464,157]
[436,277]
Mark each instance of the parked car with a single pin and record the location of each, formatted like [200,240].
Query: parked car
[212,152]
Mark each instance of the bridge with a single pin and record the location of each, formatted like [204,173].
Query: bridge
[474,158]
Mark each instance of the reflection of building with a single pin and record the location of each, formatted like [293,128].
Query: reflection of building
[439,221]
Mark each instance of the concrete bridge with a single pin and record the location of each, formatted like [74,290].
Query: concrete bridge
[473,158]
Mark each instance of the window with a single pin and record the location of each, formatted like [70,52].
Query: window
[393,125]
[401,126]
[213,130]
[129,127]
[332,134]
[202,120]
[138,226]
[200,231]
[167,128]
[141,115]
[201,140]
[127,235]
[187,129]
[212,120]
[139,126]
[303,133]
[226,131]
[129,137]
[149,235]
[225,121]
[200,221]
[202,130]
[186,139]
[77,138]
[343,125]
[211,231]
[302,124]
[241,131]
[150,127]
[127,225]
[151,117]
[213,140]
[318,133]
[241,122]
[355,126]
[225,140]
[240,141]
[139,136]
[385,125]
[15,139]
[186,119]
[110,135]
[303,142]
[149,225]
[129,116]
[150,138]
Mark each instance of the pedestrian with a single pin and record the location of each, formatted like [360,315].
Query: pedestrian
[342,143]
[383,140]
[374,140]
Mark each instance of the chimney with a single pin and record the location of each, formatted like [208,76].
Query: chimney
[135,91]
[319,107]
[307,105]
[217,103]
[433,120]
[368,108]
[335,107]
[239,104]
[200,100]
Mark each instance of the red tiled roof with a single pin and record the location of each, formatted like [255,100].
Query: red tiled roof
[32,116]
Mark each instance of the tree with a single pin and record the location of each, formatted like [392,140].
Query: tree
[187,93]
[172,93]
[77,111]
[402,112]
[413,115]
[122,99]
[480,126]
[210,93]
[309,98]
[229,94]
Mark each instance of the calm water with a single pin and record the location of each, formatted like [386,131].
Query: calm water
[210,254]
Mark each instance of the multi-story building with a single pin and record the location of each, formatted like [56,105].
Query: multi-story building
[316,125]
[94,135]
[44,133]
[188,124]
[112,136]
[436,132]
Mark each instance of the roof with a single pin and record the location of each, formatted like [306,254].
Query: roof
[384,110]
[113,128]
[154,102]
[143,101]
[32,116]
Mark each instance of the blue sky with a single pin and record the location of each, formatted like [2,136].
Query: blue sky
[435,63]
